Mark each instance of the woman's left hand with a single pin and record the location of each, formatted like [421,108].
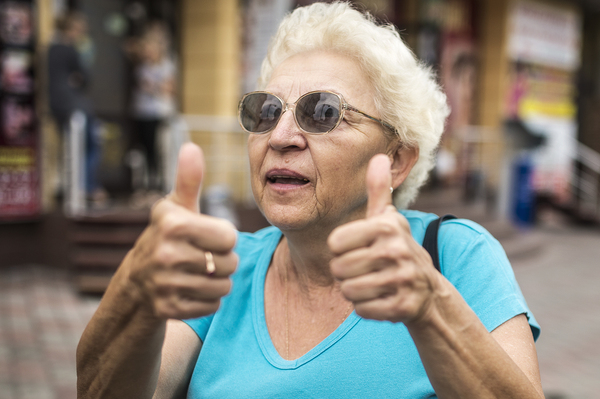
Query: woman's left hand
[383,270]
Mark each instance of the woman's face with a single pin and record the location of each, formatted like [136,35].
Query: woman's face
[151,51]
[305,180]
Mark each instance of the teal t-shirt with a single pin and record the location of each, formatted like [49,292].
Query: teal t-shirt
[362,358]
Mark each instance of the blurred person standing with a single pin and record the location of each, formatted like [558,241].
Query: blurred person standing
[68,78]
[153,102]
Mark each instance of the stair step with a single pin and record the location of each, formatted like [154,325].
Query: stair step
[129,217]
[107,236]
[99,243]
[106,259]
[92,283]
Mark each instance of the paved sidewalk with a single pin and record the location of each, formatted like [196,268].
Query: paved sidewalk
[561,286]
[41,320]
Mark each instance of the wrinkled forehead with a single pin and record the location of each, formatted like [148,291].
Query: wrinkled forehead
[320,70]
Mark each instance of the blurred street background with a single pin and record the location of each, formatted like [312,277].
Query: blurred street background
[97,96]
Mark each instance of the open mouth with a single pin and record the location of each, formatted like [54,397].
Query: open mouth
[287,180]
[286,177]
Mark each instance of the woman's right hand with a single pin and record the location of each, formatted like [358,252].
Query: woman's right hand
[167,265]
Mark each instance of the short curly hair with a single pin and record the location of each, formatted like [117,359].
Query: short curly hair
[407,94]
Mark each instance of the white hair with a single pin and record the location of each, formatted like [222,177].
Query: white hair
[407,95]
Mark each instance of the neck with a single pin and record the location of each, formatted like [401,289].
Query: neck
[306,259]
[307,254]
[313,305]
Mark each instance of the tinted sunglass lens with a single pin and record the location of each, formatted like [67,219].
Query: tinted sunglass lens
[260,112]
[318,112]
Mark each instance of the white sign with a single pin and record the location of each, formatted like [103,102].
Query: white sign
[544,34]
[262,20]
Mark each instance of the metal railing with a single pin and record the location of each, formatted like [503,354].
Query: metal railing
[74,166]
[170,138]
[586,182]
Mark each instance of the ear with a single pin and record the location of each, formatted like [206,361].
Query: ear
[403,159]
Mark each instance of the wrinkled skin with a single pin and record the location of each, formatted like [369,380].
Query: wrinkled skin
[167,263]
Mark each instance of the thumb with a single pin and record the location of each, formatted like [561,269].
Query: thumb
[188,181]
[379,181]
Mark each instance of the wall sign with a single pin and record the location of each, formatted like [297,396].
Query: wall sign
[545,35]
[19,138]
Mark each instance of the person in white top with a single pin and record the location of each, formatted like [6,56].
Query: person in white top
[153,96]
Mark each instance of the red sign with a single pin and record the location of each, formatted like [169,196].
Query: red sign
[19,138]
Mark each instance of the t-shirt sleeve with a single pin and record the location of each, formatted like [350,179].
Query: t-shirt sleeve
[476,264]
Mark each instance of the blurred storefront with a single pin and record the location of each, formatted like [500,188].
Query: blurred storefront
[445,35]
[510,69]
[544,50]
[107,52]
[587,165]
[498,61]
[20,196]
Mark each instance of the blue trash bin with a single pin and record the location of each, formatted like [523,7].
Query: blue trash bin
[523,193]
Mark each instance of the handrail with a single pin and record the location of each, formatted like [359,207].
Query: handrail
[586,181]
[589,157]
[74,165]
[177,133]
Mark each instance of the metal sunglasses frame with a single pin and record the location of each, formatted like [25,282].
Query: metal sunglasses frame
[344,106]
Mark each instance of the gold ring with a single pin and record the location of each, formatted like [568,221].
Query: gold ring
[210,263]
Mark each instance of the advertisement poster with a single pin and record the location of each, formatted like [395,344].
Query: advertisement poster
[447,41]
[19,138]
[545,46]
[543,99]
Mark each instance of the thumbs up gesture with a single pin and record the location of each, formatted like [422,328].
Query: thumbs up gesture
[383,271]
[182,261]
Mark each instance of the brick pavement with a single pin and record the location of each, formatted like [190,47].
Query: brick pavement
[41,320]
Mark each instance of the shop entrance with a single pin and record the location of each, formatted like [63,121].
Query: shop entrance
[111,52]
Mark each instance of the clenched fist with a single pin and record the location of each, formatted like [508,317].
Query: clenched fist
[384,272]
[170,264]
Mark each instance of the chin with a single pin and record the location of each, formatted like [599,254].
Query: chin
[285,222]
[288,215]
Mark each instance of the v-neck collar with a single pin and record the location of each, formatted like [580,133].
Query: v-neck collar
[260,324]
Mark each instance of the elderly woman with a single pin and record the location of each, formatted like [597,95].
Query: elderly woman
[338,298]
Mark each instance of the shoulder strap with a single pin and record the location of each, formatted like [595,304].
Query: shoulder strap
[430,242]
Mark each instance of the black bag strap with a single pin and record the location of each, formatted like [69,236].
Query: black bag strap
[430,242]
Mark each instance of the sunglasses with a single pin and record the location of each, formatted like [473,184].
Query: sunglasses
[316,112]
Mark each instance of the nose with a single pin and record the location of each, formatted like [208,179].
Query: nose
[287,136]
